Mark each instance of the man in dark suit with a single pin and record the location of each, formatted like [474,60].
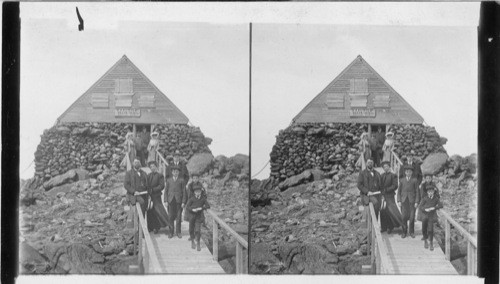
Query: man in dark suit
[181,166]
[408,199]
[175,198]
[136,185]
[369,186]
[390,217]
[417,171]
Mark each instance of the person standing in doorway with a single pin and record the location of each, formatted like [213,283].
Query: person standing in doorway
[139,147]
[153,146]
[364,148]
[175,198]
[129,147]
[369,186]
[408,198]
[380,138]
[388,146]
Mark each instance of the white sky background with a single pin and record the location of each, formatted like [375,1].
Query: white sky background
[433,67]
[203,68]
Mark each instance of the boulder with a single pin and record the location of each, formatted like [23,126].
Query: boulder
[240,228]
[434,163]
[262,261]
[199,163]
[69,176]
[305,176]
[237,164]
[60,189]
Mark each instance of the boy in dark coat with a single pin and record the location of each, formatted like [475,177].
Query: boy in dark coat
[196,204]
[190,192]
[429,204]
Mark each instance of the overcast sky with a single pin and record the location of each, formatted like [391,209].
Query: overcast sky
[202,67]
[197,54]
[433,67]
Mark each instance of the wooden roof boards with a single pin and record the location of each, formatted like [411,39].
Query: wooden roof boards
[359,94]
[124,94]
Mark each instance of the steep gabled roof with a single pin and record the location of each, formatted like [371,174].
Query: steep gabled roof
[164,110]
[397,112]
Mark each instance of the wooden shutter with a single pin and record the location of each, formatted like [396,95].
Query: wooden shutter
[123,85]
[358,100]
[100,100]
[359,85]
[147,100]
[123,100]
[334,100]
[381,101]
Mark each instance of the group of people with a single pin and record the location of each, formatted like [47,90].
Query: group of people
[142,147]
[378,147]
[181,193]
[411,193]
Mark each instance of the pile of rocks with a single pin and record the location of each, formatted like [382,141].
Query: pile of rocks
[187,139]
[310,228]
[334,146]
[315,145]
[78,227]
[99,146]
[419,140]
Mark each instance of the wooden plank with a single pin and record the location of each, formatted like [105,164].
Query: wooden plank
[215,240]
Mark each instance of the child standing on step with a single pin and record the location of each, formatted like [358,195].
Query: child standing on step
[428,206]
[195,205]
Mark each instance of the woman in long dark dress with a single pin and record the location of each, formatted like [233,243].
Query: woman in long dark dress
[390,217]
[157,215]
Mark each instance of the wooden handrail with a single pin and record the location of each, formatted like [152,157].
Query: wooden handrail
[150,263]
[379,251]
[471,241]
[241,243]
[160,158]
[129,164]
[467,235]
[230,230]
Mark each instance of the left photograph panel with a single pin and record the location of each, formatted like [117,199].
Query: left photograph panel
[134,140]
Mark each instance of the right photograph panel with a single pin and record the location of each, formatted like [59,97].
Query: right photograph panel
[363,155]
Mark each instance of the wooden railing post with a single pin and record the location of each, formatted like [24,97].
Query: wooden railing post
[140,256]
[239,258]
[447,238]
[471,259]
[215,240]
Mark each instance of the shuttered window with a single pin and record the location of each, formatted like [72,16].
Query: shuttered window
[381,101]
[123,100]
[358,100]
[334,100]
[100,100]
[146,100]
[359,85]
[123,85]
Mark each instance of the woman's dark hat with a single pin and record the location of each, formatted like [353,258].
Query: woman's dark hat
[385,163]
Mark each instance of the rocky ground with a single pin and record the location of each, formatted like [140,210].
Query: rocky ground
[313,224]
[80,225]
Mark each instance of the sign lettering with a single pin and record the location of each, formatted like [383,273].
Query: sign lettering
[128,112]
[360,112]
